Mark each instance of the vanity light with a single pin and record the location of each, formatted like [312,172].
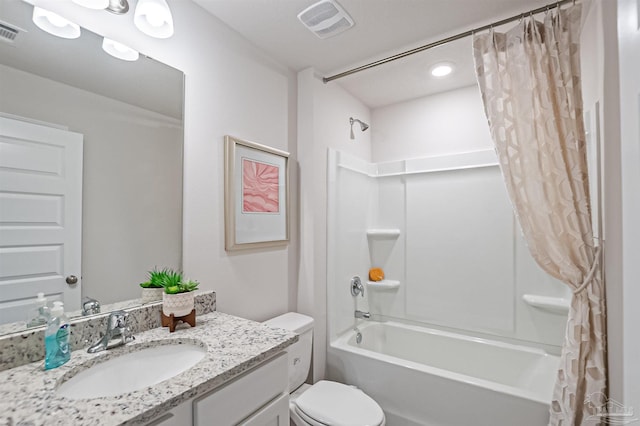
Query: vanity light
[442,69]
[119,50]
[153,18]
[54,23]
[92,4]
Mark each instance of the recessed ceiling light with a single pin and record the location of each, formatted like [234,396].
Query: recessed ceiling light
[442,69]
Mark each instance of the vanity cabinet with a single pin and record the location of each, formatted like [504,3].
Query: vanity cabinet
[274,414]
[258,397]
[178,416]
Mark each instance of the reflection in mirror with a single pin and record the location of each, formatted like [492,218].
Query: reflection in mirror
[128,116]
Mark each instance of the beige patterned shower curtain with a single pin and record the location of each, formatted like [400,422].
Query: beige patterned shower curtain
[530,83]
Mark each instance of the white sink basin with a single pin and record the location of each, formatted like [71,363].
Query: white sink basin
[132,371]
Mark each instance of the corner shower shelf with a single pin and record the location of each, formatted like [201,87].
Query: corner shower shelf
[556,305]
[383,285]
[383,234]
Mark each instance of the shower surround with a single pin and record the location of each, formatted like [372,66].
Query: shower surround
[443,231]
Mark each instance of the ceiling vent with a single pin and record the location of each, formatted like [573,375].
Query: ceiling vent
[326,18]
[8,33]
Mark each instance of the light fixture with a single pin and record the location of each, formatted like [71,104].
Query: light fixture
[442,69]
[153,18]
[118,7]
[92,4]
[363,126]
[54,23]
[119,50]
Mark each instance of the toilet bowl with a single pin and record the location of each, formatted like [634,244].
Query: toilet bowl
[325,403]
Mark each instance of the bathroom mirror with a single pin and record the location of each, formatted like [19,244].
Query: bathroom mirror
[130,116]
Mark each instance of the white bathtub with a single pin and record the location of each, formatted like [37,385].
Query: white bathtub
[422,376]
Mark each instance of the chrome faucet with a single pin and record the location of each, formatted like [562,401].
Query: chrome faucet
[117,333]
[362,315]
[90,306]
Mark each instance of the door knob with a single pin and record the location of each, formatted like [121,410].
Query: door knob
[72,279]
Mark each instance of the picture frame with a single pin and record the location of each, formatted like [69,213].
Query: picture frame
[256,195]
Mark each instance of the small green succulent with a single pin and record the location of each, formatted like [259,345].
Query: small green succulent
[182,287]
[156,278]
[172,281]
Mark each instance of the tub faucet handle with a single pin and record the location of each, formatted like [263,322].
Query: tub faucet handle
[356,286]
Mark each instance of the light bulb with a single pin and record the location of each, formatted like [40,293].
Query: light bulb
[119,50]
[153,18]
[54,24]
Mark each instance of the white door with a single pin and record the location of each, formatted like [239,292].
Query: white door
[40,216]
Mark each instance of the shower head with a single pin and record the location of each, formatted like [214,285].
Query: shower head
[363,126]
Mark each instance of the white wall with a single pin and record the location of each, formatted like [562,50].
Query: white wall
[445,123]
[132,189]
[599,68]
[230,88]
[629,39]
[352,200]
[323,111]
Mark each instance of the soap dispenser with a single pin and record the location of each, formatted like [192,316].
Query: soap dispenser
[56,338]
[39,314]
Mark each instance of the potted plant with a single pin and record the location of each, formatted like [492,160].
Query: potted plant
[178,297]
[152,289]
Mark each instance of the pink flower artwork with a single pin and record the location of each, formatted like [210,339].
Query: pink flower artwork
[260,187]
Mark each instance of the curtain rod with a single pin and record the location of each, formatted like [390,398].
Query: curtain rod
[445,40]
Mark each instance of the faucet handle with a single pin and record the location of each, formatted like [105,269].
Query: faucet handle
[356,286]
[117,320]
[90,306]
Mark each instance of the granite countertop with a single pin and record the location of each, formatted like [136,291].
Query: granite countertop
[234,345]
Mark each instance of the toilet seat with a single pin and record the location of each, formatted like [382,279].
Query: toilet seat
[334,404]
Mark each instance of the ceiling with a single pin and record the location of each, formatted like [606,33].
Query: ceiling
[382,28]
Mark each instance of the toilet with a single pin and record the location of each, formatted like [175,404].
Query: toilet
[325,403]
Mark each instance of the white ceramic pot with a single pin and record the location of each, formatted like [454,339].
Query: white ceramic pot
[152,294]
[179,305]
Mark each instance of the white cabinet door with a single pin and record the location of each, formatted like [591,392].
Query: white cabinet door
[244,396]
[274,414]
[40,216]
[178,416]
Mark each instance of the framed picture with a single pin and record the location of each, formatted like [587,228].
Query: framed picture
[256,195]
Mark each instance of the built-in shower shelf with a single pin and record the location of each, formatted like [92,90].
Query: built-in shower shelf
[383,285]
[383,234]
[556,305]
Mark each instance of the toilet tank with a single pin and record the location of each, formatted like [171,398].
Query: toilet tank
[299,354]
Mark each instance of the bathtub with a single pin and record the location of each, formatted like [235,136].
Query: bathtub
[422,376]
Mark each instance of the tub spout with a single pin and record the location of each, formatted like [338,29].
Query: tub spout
[362,315]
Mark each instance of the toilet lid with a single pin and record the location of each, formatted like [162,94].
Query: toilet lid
[335,404]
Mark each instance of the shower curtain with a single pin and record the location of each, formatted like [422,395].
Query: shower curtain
[530,83]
